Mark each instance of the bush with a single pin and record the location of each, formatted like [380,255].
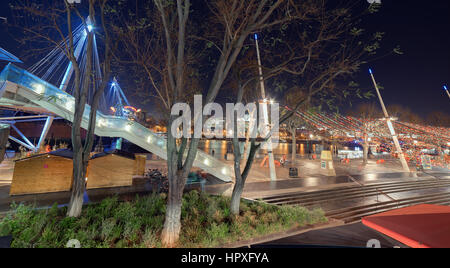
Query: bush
[206,221]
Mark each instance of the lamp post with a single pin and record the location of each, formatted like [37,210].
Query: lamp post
[273,174]
[446,90]
[390,126]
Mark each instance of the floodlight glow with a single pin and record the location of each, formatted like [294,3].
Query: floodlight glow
[445,88]
[370,71]
[90,27]
[256,36]
[40,89]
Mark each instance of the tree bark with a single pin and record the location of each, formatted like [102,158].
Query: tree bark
[241,177]
[236,195]
[80,157]
[79,185]
[172,224]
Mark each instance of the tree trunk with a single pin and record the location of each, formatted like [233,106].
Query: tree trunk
[241,178]
[294,146]
[237,193]
[80,157]
[79,185]
[172,225]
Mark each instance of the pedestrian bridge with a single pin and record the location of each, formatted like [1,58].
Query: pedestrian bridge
[21,89]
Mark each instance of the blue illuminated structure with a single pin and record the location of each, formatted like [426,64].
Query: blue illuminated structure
[6,56]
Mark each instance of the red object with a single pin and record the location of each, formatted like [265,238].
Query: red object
[421,226]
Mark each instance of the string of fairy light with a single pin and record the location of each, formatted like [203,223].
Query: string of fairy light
[413,137]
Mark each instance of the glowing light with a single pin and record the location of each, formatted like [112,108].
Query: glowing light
[256,36]
[370,71]
[369,139]
[445,88]
[101,123]
[113,84]
[131,108]
[311,136]
[149,139]
[128,128]
[224,171]
[90,27]
[415,142]
[40,89]
[206,162]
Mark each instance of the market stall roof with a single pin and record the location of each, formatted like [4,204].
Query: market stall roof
[6,56]
[421,226]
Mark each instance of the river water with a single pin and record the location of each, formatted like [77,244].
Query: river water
[219,148]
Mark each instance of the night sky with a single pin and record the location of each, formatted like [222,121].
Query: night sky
[415,79]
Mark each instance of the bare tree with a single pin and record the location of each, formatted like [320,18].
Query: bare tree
[45,26]
[324,54]
[175,37]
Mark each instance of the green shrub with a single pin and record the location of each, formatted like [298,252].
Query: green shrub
[206,222]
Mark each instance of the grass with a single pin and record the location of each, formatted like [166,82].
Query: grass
[206,222]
